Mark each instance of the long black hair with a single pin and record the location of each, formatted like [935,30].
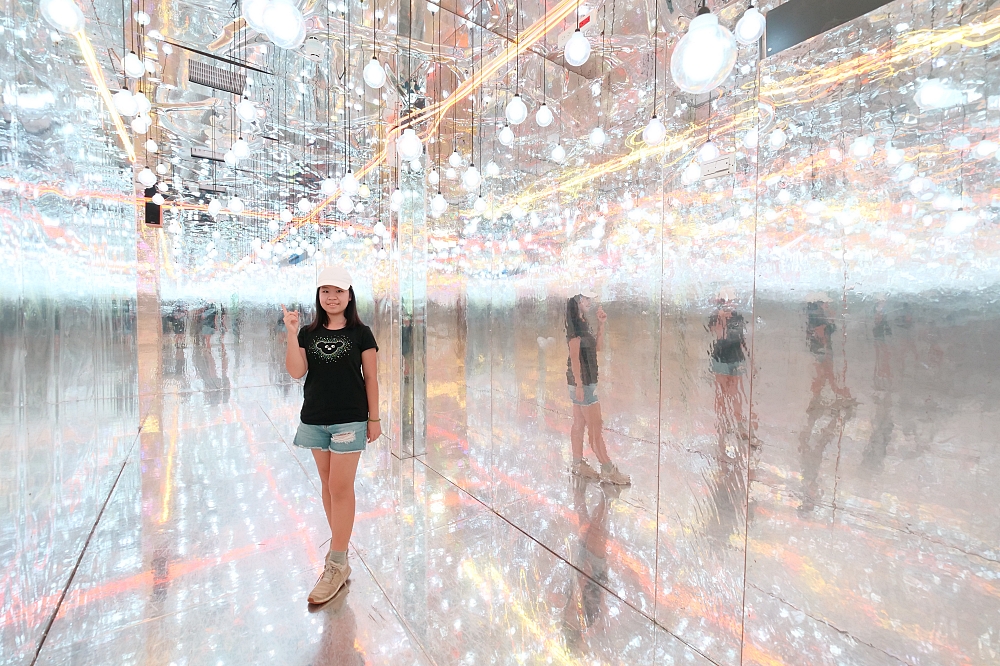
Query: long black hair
[350,313]
[576,321]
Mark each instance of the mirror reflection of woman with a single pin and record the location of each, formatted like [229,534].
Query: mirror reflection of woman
[582,375]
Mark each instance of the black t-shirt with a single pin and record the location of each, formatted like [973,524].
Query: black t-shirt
[588,359]
[335,386]
[729,347]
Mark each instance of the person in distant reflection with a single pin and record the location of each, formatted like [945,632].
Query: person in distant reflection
[728,355]
[340,410]
[209,323]
[581,375]
[819,333]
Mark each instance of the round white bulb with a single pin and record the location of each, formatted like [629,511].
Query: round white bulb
[409,145]
[396,197]
[432,7]
[142,18]
[374,74]
[63,15]
[450,173]
[235,205]
[285,216]
[708,152]
[246,110]
[750,27]
[517,212]
[704,57]
[364,191]
[344,204]
[253,14]
[863,147]
[142,104]
[654,132]
[134,67]
[303,205]
[894,156]
[151,146]
[471,179]
[937,94]
[480,205]
[543,117]
[415,165]
[516,111]
[241,149]
[492,169]
[922,187]
[147,177]
[349,184]
[432,177]
[506,135]
[161,169]
[558,153]
[328,186]
[158,199]
[985,148]
[577,50]
[230,158]
[777,138]
[455,159]
[439,204]
[125,103]
[751,138]
[691,174]
[214,207]
[597,137]
[283,24]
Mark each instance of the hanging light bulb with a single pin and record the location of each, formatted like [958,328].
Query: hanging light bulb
[146,177]
[230,158]
[777,138]
[303,206]
[492,169]
[241,149]
[450,173]
[480,205]
[235,205]
[125,103]
[654,132]
[597,137]
[894,156]
[364,191]
[439,204]
[214,207]
[283,24]
[158,199]
[349,184]
[471,179]
[558,153]
[246,110]
[142,104]
[396,197]
[415,165]
[750,27]
[985,149]
[285,216]
[516,112]
[691,174]
[705,56]
[432,177]
[455,159]
[751,138]
[151,146]
[63,15]
[328,186]
[517,212]
[577,50]
[863,147]
[408,144]
[253,14]
[543,117]
[708,152]
[937,94]
[134,68]
[344,204]
[374,74]
[506,136]
[359,207]
[161,169]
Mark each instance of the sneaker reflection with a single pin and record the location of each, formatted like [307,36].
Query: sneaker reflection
[338,646]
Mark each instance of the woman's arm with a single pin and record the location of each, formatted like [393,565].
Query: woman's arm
[295,356]
[369,368]
[601,319]
[574,360]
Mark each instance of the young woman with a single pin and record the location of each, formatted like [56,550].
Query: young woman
[340,411]
[581,375]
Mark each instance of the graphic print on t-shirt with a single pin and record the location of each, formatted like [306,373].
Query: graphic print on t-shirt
[330,350]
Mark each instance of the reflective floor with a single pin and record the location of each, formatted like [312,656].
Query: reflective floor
[180,527]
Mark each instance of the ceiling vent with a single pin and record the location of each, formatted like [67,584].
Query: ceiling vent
[217,78]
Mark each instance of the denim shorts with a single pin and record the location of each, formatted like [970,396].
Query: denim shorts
[589,395]
[339,438]
[731,368]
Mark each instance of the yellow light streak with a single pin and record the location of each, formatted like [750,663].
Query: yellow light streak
[87,50]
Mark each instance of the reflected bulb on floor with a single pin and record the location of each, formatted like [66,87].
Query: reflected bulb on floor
[654,132]
[543,117]
[577,50]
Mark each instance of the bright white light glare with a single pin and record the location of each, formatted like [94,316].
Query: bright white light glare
[455,159]
[597,137]
[344,204]
[543,117]
[125,103]
[558,153]
[415,165]
[285,216]
[142,18]
[374,74]
[328,186]
[235,206]
[691,174]
[432,7]
[438,204]
[142,103]
[506,135]
[863,147]
[364,191]
[750,27]
[409,145]
[937,94]
[986,148]
[751,138]
[253,14]
[432,177]
[704,57]
[492,169]
[480,205]
[63,15]
[134,68]
[349,184]
[894,156]
[777,138]
[214,207]
[246,110]
[147,177]
[708,152]
[471,179]
[283,24]
[241,149]
[654,132]
[516,111]
[577,50]
[303,206]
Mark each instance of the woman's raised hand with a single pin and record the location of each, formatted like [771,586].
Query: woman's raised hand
[602,316]
[291,320]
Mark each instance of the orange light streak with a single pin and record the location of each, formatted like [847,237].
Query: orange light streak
[87,50]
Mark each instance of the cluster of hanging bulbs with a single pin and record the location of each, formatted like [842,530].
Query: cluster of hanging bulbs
[280,20]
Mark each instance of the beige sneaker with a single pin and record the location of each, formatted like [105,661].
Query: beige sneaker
[614,476]
[333,578]
[584,469]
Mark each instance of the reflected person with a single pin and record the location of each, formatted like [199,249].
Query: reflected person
[728,356]
[337,354]
[819,334]
[581,375]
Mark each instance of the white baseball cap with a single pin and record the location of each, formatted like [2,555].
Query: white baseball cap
[587,292]
[336,276]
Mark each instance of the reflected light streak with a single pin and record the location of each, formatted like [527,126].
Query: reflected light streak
[87,50]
